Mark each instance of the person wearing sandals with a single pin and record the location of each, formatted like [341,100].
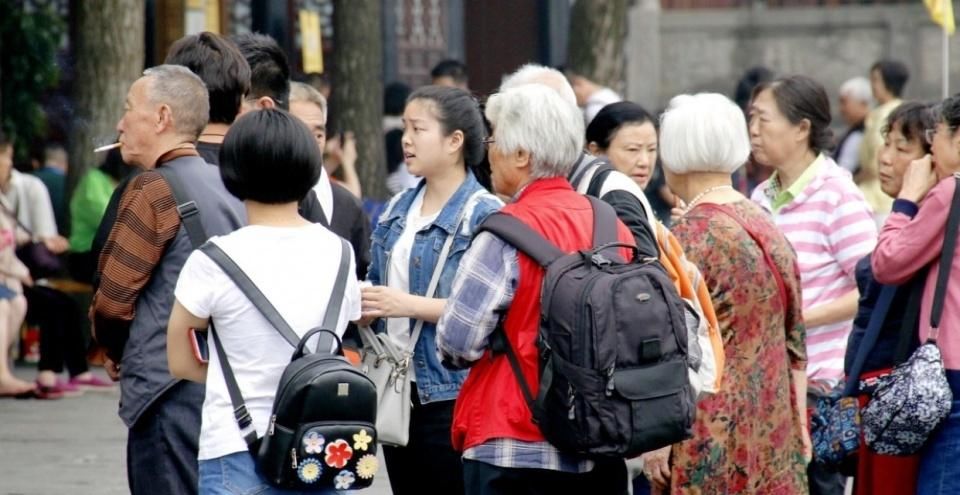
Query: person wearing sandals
[903,142]
[443,139]
[270,161]
[910,241]
[13,306]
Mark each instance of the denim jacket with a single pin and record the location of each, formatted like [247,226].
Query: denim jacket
[434,382]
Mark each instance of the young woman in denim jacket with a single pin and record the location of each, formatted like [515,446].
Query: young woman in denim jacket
[443,139]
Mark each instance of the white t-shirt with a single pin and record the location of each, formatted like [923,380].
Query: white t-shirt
[295,269]
[324,191]
[597,101]
[398,275]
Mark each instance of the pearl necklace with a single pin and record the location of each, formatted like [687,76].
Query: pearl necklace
[700,196]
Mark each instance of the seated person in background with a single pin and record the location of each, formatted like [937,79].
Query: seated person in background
[87,206]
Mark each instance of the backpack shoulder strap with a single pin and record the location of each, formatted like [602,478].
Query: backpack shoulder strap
[250,289]
[186,207]
[520,236]
[604,222]
[596,182]
[578,173]
[852,385]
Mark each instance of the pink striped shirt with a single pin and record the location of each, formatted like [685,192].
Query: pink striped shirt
[909,244]
[830,226]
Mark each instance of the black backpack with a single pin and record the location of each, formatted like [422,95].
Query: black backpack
[612,345]
[322,432]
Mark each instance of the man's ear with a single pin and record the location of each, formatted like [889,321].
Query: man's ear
[266,103]
[594,148]
[164,118]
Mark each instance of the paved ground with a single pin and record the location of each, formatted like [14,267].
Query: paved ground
[72,446]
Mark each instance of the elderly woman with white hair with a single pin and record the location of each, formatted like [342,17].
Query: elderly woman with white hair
[751,436]
[535,141]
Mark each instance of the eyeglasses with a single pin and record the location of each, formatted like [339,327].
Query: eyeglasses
[488,141]
[928,134]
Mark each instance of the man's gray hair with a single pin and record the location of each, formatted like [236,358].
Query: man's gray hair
[538,74]
[184,92]
[534,118]
[857,88]
[304,92]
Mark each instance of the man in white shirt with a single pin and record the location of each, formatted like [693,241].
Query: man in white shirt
[591,96]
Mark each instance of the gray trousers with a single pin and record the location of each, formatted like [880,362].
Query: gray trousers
[162,445]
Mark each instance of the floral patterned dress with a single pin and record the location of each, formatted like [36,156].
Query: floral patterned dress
[747,438]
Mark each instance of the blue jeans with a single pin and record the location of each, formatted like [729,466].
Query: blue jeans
[940,458]
[236,474]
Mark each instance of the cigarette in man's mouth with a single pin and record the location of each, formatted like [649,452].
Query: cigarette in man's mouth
[107,147]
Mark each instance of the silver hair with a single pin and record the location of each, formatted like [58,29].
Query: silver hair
[534,118]
[538,74]
[304,92]
[857,88]
[184,92]
[705,132]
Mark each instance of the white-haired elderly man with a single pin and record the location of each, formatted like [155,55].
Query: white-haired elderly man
[536,137]
[855,101]
[594,175]
[165,112]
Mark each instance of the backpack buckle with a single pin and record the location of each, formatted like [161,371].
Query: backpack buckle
[187,209]
[600,260]
[242,416]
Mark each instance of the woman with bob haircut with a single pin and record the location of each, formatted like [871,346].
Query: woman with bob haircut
[443,141]
[269,160]
[751,436]
[911,243]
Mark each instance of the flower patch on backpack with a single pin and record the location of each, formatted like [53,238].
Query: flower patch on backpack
[313,443]
[367,466]
[361,440]
[309,470]
[344,480]
[338,453]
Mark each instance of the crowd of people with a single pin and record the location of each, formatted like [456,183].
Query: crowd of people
[778,236]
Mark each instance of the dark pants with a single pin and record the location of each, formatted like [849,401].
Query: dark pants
[607,478]
[428,462]
[939,464]
[162,445]
[61,334]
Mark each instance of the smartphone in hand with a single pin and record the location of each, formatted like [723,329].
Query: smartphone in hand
[198,341]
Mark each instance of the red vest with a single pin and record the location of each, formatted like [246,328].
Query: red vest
[490,404]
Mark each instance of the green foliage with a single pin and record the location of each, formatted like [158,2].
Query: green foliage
[28,68]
